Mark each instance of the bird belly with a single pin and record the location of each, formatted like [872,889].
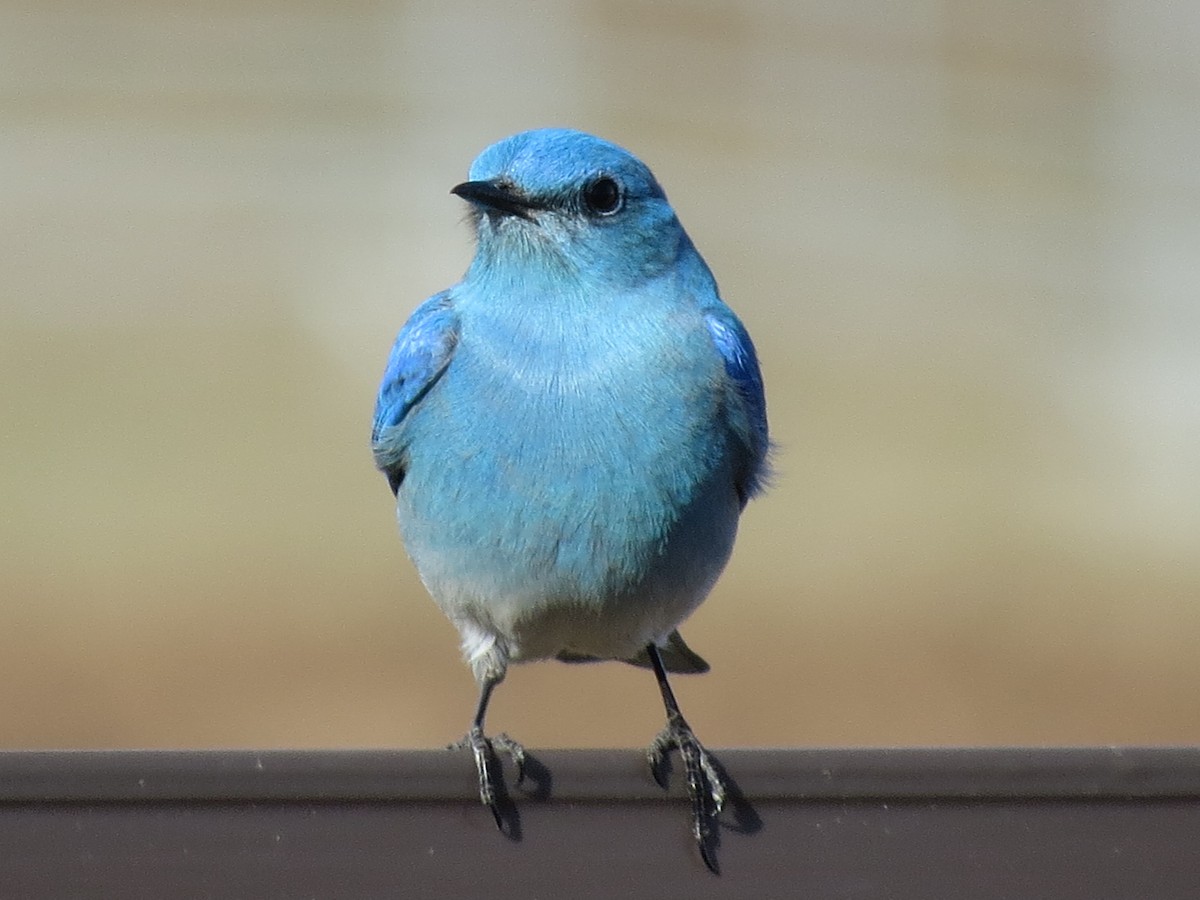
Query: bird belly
[590,526]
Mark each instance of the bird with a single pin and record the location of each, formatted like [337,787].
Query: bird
[571,433]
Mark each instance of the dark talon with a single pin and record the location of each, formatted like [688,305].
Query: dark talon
[705,787]
[485,757]
[504,744]
[484,750]
[657,756]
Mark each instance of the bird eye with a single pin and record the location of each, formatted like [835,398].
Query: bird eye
[603,196]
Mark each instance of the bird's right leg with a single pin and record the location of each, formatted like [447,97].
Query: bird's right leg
[705,786]
[484,750]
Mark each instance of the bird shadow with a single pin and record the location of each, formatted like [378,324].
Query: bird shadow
[746,819]
[533,780]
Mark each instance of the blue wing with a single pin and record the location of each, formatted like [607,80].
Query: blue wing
[748,415]
[420,355]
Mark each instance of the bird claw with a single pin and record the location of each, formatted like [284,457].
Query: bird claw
[504,744]
[705,786]
[484,750]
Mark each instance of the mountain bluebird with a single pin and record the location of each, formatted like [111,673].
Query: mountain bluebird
[572,431]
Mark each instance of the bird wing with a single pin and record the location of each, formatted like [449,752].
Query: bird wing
[748,412]
[420,355]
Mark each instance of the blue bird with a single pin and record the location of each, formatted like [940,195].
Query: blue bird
[572,431]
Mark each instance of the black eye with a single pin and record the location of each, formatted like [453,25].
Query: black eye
[602,196]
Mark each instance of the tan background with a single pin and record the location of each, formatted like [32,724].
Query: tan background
[966,237]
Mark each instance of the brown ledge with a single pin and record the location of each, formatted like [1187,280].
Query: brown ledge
[919,823]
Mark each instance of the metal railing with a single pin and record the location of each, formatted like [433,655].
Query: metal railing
[908,823]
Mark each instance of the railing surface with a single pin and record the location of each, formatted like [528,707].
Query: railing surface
[914,823]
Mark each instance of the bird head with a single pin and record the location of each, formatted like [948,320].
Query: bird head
[571,204]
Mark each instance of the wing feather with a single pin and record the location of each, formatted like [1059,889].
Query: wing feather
[422,351]
[748,412]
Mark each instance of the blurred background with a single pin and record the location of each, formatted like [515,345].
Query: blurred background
[965,236]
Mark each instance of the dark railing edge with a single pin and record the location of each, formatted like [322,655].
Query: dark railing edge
[1130,772]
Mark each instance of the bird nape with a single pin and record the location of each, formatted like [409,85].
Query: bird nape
[571,433]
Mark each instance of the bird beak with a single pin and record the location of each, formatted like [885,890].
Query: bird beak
[492,195]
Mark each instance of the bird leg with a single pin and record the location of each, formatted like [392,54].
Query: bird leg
[483,749]
[706,789]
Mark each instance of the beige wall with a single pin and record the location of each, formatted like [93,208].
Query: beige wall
[966,237]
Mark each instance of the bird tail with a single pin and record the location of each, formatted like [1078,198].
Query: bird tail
[676,655]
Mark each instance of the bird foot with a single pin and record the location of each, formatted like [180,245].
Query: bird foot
[706,788]
[484,750]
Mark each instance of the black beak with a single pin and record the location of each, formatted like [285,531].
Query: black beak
[491,195]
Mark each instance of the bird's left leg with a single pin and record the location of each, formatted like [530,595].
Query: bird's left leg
[484,750]
[706,789]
